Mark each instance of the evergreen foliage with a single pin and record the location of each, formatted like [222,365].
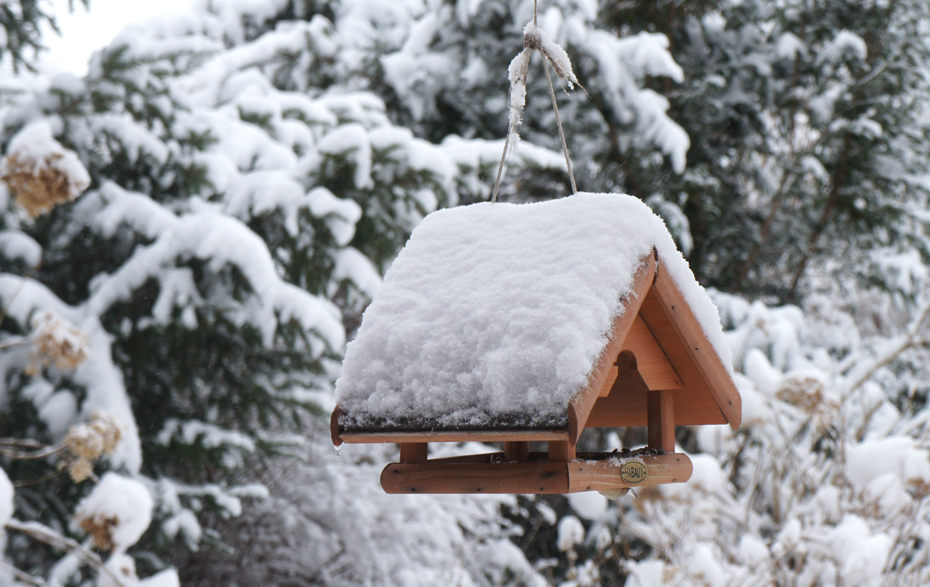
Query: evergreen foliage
[254,167]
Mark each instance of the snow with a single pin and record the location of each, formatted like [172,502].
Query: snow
[351,140]
[553,52]
[496,313]
[35,148]
[571,533]
[899,457]
[589,505]
[860,554]
[622,65]
[534,39]
[790,47]
[120,506]
[6,501]
[233,444]
[516,73]
[59,412]
[843,44]
[16,245]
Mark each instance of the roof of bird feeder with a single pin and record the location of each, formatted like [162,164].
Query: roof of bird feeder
[516,321]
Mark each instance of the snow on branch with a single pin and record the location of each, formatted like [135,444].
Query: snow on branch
[209,235]
[863,370]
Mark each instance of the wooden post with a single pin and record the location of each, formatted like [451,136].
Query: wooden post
[413,452]
[516,451]
[561,452]
[661,411]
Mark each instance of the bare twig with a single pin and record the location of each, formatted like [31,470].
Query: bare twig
[40,451]
[15,343]
[22,576]
[864,370]
[44,534]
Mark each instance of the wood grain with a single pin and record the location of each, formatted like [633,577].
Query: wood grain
[538,478]
[653,365]
[702,353]
[661,427]
[414,452]
[527,478]
[601,475]
[561,452]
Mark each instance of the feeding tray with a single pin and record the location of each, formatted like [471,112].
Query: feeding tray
[523,323]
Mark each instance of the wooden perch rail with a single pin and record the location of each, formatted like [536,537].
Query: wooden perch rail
[465,475]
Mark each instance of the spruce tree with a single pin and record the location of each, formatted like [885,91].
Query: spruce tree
[240,206]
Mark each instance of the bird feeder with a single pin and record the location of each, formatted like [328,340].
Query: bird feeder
[519,324]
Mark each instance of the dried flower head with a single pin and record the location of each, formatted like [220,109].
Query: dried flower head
[40,171]
[807,392]
[100,529]
[57,342]
[88,442]
[116,512]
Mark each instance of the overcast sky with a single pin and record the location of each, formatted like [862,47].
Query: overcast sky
[84,31]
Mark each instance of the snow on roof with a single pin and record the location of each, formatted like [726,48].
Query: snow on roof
[495,314]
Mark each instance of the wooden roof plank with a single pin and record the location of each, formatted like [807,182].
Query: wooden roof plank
[451,436]
[660,325]
[583,402]
[702,352]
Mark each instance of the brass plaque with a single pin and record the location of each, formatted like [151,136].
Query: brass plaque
[633,472]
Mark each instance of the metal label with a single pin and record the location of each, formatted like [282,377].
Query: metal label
[633,472]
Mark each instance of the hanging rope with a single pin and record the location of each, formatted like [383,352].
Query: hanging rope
[535,39]
[558,122]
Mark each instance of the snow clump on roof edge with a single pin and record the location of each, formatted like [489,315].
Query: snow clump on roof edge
[495,314]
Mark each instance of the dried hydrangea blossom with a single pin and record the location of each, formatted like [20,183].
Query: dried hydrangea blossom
[40,171]
[57,342]
[88,442]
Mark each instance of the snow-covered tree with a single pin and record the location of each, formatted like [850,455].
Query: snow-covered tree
[21,24]
[237,215]
[189,234]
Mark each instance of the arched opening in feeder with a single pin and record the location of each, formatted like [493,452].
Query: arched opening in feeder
[656,360]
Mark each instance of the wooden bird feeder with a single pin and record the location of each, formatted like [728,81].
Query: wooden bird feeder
[656,368]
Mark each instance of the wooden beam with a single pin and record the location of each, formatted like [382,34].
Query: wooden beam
[488,457]
[626,401]
[452,436]
[532,478]
[581,405]
[561,452]
[414,452]
[693,407]
[705,357]
[653,314]
[661,412]
[653,365]
[609,381]
[539,478]
[603,475]
[516,451]
[334,425]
